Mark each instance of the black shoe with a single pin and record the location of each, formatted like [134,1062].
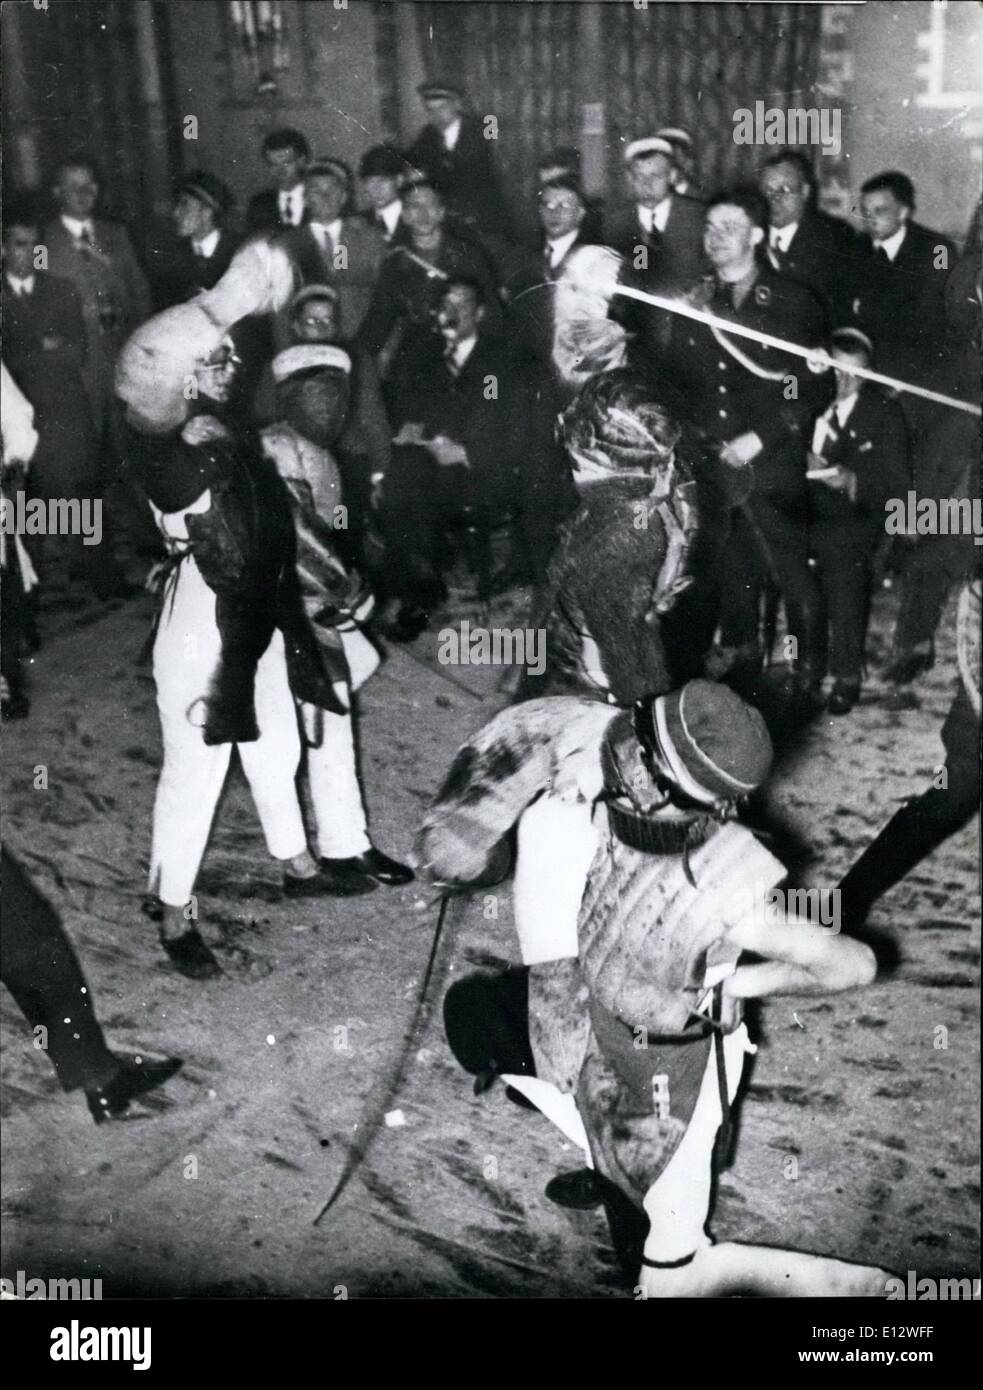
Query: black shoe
[904,668]
[843,697]
[152,907]
[580,1190]
[134,1078]
[374,865]
[407,625]
[326,882]
[191,955]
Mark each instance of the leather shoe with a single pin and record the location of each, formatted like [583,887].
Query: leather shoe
[904,668]
[580,1190]
[134,1078]
[189,953]
[326,882]
[843,697]
[372,865]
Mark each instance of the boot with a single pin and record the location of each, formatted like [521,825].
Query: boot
[909,836]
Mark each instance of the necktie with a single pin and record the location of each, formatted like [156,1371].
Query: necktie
[85,236]
[288,209]
[882,255]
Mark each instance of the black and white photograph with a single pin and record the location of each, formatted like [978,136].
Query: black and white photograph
[491,575]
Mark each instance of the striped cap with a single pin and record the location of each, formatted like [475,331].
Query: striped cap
[306,357]
[714,746]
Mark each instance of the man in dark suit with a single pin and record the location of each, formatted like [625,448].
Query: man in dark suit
[194,253]
[286,154]
[381,172]
[806,244]
[661,233]
[454,154]
[98,258]
[332,248]
[480,446]
[901,303]
[754,404]
[530,285]
[857,461]
[44,348]
[565,162]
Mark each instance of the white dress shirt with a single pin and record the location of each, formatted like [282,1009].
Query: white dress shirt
[656,217]
[325,230]
[451,134]
[20,285]
[557,249]
[892,245]
[460,353]
[830,424]
[78,228]
[291,204]
[780,237]
[206,246]
[390,215]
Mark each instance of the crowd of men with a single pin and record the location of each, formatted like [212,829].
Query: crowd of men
[406,390]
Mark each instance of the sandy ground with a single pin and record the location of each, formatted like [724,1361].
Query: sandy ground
[858,1134]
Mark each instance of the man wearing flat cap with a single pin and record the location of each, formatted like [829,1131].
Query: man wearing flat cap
[456,157]
[333,248]
[194,252]
[661,233]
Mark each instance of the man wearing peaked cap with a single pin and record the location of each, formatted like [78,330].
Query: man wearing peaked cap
[312,396]
[333,246]
[454,153]
[635,1040]
[659,234]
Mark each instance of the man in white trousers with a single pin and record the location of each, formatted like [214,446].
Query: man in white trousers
[312,396]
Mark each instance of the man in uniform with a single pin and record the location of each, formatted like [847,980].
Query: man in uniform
[456,157]
[754,403]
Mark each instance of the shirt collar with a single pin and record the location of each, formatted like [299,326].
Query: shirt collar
[206,246]
[463,350]
[452,134]
[844,409]
[560,246]
[20,282]
[656,217]
[76,225]
[334,229]
[781,236]
[391,214]
[893,243]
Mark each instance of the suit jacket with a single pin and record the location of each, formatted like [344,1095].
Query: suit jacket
[44,347]
[530,298]
[873,444]
[825,255]
[177,273]
[515,462]
[365,250]
[901,303]
[263,212]
[113,289]
[675,255]
[467,175]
